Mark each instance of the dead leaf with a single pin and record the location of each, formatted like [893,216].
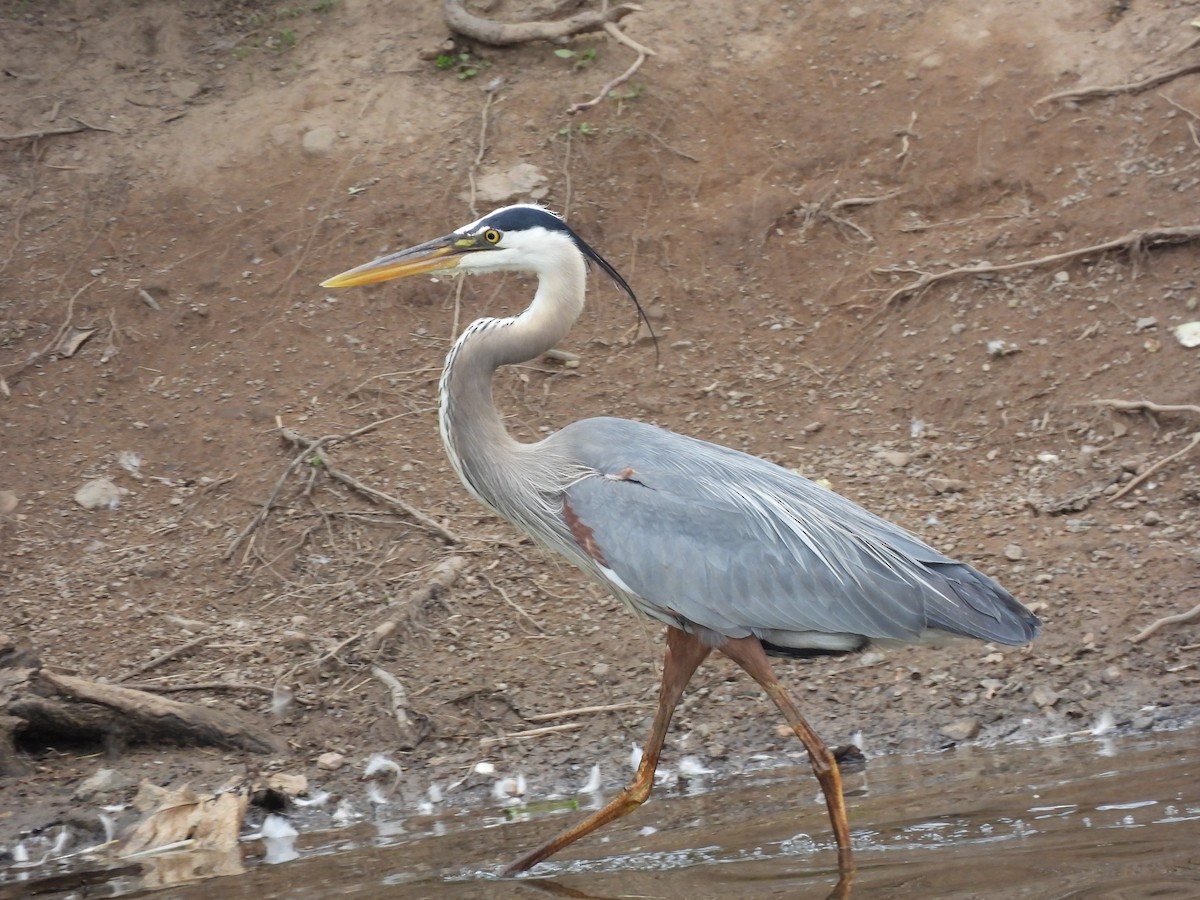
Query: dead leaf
[72,340]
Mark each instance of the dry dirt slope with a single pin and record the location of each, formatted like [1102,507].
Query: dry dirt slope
[189,225]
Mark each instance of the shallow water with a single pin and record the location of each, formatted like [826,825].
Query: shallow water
[1095,818]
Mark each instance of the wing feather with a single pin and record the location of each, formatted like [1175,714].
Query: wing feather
[738,545]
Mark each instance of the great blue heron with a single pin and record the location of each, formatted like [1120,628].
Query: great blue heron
[729,551]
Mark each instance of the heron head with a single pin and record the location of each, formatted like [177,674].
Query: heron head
[521,238]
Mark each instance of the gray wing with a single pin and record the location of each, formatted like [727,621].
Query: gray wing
[736,544]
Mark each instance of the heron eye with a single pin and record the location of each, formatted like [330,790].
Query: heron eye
[492,236]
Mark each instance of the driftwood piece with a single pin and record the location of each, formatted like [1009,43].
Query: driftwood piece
[444,574]
[57,706]
[505,34]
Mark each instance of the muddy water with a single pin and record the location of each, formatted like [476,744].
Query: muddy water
[1095,818]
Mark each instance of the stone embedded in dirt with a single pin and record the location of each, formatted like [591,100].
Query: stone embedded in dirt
[522,180]
[331,761]
[1187,334]
[1145,323]
[961,729]
[291,784]
[319,141]
[1111,675]
[1044,697]
[941,485]
[1013,552]
[102,781]
[100,493]
[185,89]
[897,458]
[8,502]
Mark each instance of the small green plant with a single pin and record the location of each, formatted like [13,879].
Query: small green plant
[282,42]
[460,62]
[324,6]
[583,58]
[580,129]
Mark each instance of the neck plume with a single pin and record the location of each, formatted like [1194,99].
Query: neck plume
[497,469]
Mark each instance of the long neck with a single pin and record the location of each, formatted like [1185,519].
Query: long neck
[476,441]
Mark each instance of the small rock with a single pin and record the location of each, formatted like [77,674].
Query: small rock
[295,640]
[293,785]
[1146,323]
[1062,277]
[8,502]
[1000,348]
[185,89]
[813,427]
[331,761]
[1013,552]
[100,493]
[1187,334]
[102,781]
[1152,518]
[897,458]
[1044,697]
[522,180]
[1111,675]
[319,141]
[961,729]
[946,485]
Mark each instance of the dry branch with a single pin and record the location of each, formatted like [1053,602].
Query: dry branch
[531,732]
[642,53]
[79,125]
[501,34]
[1178,618]
[1148,406]
[68,708]
[1134,243]
[165,657]
[313,453]
[410,734]
[1094,92]
[443,576]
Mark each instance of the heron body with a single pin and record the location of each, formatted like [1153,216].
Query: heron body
[729,551]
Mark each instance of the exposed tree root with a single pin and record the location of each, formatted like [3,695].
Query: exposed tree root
[1134,243]
[1094,92]
[1147,406]
[504,34]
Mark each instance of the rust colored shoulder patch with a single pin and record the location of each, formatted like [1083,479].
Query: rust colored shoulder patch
[583,534]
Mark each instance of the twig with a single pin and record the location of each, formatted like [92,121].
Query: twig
[501,34]
[58,335]
[443,576]
[200,686]
[377,496]
[1092,92]
[1166,460]
[604,91]
[583,711]
[1132,242]
[409,735]
[905,134]
[1178,618]
[1148,406]
[312,448]
[507,599]
[51,132]
[532,732]
[165,657]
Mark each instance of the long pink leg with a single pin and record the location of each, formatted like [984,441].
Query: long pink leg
[685,652]
[748,653]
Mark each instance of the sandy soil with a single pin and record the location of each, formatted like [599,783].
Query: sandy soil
[765,182]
